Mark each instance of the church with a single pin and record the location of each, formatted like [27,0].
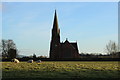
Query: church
[61,50]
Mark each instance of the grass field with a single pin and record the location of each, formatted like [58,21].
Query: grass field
[61,69]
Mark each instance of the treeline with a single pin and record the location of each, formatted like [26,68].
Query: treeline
[96,55]
[9,51]
[82,57]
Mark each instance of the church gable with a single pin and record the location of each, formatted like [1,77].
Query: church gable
[68,44]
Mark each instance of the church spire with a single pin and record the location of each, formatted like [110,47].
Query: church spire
[55,23]
[55,40]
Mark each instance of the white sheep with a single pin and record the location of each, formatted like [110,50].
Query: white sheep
[15,60]
[30,61]
[39,61]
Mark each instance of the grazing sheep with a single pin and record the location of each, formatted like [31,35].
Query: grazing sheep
[15,60]
[39,61]
[30,61]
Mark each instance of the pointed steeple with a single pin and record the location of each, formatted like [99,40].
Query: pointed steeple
[55,39]
[55,23]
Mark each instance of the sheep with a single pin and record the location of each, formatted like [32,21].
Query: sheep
[15,60]
[30,61]
[39,61]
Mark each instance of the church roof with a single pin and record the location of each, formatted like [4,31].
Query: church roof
[74,45]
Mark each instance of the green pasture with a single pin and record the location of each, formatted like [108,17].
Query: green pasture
[84,70]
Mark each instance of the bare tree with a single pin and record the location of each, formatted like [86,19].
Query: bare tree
[12,53]
[111,48]
[0,48]
[6,46]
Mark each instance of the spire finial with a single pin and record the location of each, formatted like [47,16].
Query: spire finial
[55,13]
[66,39]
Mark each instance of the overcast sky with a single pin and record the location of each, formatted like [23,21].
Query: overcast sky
[29,24]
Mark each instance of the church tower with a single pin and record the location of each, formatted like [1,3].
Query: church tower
[55,39]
